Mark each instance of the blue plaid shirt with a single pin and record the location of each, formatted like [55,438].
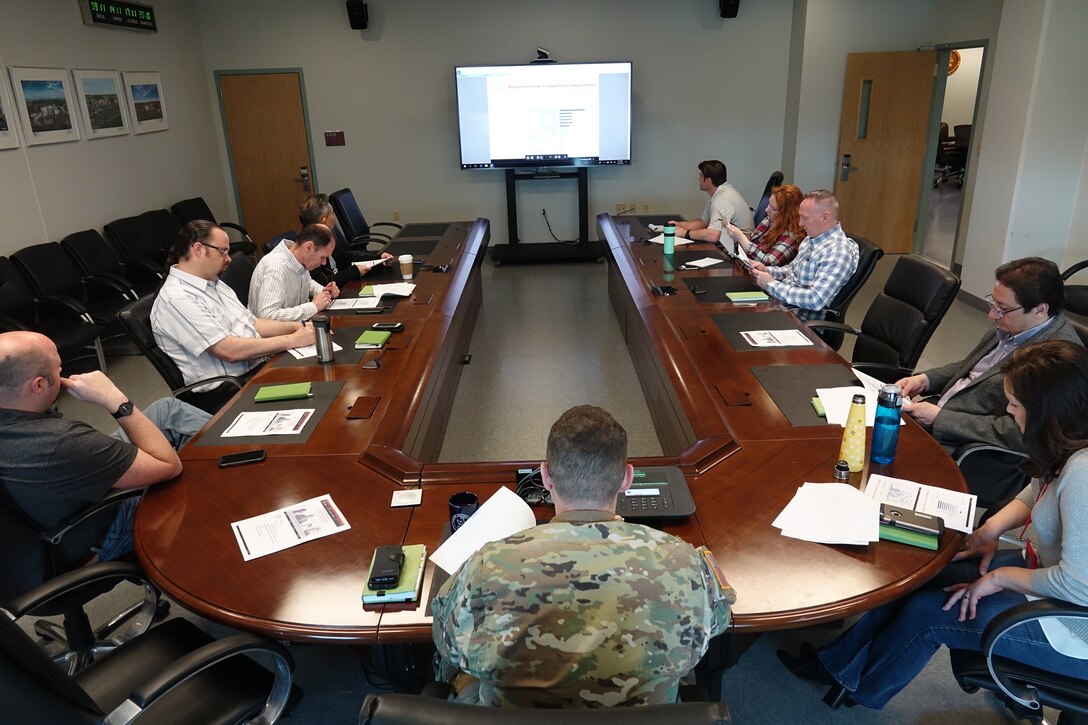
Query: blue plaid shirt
[822,266]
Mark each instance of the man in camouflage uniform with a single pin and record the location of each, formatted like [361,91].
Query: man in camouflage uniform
[586,610]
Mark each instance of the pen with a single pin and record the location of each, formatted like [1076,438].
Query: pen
[302,322]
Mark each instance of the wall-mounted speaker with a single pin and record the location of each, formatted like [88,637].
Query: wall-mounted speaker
[358,16]
[729,8]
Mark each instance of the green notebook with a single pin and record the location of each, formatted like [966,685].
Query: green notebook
[292,391]
[367,291]
[411,578]
[906,536]
[372,339]
[754,296]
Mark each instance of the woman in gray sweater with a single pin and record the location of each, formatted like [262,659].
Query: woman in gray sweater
[1047,387]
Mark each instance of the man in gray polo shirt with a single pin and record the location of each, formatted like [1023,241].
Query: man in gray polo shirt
[725,206]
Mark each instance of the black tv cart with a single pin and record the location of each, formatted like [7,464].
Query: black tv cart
[517,253]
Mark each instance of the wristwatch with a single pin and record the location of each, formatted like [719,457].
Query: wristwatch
[124,410]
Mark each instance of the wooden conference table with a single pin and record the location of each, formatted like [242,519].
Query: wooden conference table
[741,456]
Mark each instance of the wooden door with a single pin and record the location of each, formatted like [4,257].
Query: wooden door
[882,145]
[269,146]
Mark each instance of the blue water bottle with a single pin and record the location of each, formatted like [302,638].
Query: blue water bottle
[886,426]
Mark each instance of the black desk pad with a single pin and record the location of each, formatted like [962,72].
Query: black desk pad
[792,388]
[417,247]
[389,302]
[423,230]
[324,395]
[731,324]
[684,257]
[345,337]
[716,287]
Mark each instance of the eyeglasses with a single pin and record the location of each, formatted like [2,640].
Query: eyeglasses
[998,311]
[224,252]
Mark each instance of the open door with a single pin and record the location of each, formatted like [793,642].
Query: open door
[882,145]
[269,146]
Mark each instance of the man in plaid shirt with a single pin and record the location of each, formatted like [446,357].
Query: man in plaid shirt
[826,260]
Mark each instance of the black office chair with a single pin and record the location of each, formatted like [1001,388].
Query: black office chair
[760,211]
[357,232]
[951,159]
[400,709]
[1024,689]
[189,210]
[135,318]
[238,274]
[63,320]
[868,255]
[269,244]
[97,258]
[1076,295]
[902,318]
[143,240]
[175,673]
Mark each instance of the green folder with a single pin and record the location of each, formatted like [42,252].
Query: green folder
[411,577]
[367,291]
[754,296]
[906,536]
[372,339]
[292,391]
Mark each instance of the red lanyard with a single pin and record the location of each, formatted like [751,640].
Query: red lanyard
[1029,551]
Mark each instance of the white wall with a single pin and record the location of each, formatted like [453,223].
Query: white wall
[52,190]
[960,89]
[703,87]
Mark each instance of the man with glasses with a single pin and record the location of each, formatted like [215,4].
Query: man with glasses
[1026,306]
[200,323]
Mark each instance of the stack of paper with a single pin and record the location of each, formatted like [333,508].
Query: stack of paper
[396,289]
[830,513]
[836,401]
[957,509]
[704,262]
[660,239]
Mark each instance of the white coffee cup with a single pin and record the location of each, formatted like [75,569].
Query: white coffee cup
[405,266]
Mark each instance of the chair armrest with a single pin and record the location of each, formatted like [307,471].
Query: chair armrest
[1012,618]
[112,498]
[363,239]
[61,301]
[217,379]
[89,578]
[1074,269]
[837,326]
[112,283]
[143,268]
[207,656]
[238,228]
[8,324]
[884,373]
[970,449]
[387,224]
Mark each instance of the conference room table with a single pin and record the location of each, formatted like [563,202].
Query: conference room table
[712,401]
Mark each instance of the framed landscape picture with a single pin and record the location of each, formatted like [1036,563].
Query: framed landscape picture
[101,102]
[146,105]
[45,104]
[9,136]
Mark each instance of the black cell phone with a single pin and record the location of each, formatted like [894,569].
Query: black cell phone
[911,520]
[385,568]
[388,326]
[239,459]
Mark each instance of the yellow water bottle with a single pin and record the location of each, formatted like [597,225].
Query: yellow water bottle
[853,438]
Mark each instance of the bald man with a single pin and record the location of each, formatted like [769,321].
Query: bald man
[52,467]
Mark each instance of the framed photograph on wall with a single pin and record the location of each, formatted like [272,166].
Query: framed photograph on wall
[9,135]
[45,103]
[101,102]
[146,105]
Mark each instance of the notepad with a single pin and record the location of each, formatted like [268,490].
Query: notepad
[367,291]
[291,391]
[905,536]
[372,339]
[754,296]
[411,578]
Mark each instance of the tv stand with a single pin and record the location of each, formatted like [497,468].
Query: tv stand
[515,252]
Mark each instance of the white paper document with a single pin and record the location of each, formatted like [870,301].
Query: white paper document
[836,402]
[289,526]
[269,423]
[300,353]
[957,509]
[660,239]
[502,515]
[370,263]
[775,338]
[830,513]
[396,289]
[704,262]
[740,255]
[354,303]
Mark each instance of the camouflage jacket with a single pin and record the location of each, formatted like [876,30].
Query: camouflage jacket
[585,611]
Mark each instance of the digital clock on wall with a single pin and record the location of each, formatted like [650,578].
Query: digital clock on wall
[133,16]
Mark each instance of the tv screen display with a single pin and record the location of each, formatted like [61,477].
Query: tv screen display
[553,114]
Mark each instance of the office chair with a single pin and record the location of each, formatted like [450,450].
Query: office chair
[428,708]
[868,255]
[1024,689]
[901,319]
[350,218]
[1076,295]
[760,211]
[189,210]
[269,244]
[951,160]
[143,240]
[174,673]
[135,318]
[63,320]
[238,274]
[97,258]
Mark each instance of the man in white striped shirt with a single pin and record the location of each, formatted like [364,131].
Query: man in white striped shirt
[282,289]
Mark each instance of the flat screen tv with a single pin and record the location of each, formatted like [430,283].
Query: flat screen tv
[548,114]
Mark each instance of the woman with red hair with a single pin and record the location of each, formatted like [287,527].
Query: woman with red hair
[775,241]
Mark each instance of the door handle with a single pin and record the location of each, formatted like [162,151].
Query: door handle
[845,168]
[304,178]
